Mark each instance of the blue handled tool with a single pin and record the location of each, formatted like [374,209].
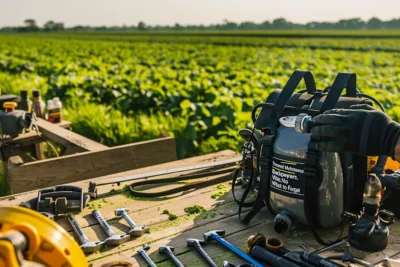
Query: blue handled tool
[216,235]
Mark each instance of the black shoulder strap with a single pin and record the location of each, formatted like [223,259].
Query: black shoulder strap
[311,188]
[264,185]
[342,80]
[312,182]
[267,141]
[289,88]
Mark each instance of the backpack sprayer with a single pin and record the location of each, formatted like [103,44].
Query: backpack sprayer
[297,182]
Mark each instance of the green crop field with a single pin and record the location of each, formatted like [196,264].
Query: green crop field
[125,87]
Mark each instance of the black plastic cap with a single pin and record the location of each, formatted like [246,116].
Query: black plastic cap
[24,94]
[36,93]
[281,226]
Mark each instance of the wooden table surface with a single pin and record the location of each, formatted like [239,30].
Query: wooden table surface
[221,213]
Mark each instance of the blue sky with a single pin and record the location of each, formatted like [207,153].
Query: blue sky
[130,12]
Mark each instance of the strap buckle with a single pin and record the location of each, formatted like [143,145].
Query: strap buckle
[310,172]
[311,164]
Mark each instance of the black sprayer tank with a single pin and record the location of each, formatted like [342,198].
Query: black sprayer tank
[287,179]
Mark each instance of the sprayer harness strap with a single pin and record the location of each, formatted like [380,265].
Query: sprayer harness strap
[264,187]
[267,142]
[311,186]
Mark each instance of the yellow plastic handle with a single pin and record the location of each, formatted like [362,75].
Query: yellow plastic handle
[10,105]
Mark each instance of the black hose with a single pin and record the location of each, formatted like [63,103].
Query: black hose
[376,101]
[263,255]
[256,107]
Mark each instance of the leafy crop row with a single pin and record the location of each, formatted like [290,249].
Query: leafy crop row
[363,44]
[119,92]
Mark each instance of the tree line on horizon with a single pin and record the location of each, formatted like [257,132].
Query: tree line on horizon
[374,23]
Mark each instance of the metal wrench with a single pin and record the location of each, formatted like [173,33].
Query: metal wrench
[321,250]
[146,257]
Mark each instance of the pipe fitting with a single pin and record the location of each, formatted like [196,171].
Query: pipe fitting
[283,222]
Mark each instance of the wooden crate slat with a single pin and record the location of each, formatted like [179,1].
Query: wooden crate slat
[86,165]
[73,141]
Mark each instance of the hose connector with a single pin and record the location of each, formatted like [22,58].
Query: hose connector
[283,222]
[302,123]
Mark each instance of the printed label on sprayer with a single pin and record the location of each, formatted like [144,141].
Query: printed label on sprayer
[287,178]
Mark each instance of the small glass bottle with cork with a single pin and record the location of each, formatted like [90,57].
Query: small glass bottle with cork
[38,106]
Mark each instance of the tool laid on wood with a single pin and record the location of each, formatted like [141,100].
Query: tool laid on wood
[135,230]
[142,252]
[196,243]
[263,255]
[275,253]
[113,239]
[87,246]
[48,215]
[330,247]
[276,246]
[93,186]
[27,238]
[58,200]
[169,251]
[346,257]
[228,264]
[386,262]
[117,264]
[216,235]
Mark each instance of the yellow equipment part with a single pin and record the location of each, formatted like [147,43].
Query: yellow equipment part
[10,105]
[390,163]
[30,239]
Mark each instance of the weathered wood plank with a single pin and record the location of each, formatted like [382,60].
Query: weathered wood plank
[185,227]
[235,234]
[161,229]
[175,233]
[69,139]
[140,208]
[64,124]
[17,198]
[299,235]
[73,168]
[39,152]
[26,139]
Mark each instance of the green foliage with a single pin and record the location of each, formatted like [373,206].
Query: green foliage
[4,187]
[111,127]
[165,212]
[122,88]
[171,216]
[194,209]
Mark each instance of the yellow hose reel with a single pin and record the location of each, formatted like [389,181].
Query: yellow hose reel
[30,239]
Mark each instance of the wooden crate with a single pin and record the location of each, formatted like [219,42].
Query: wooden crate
[81,158]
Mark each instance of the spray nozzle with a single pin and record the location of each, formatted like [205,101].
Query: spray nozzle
[303,123]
